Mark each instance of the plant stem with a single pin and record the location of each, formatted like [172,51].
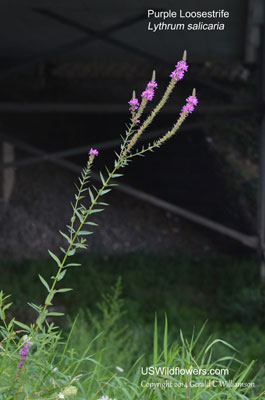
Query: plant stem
[72,243]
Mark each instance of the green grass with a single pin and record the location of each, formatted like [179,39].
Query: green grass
[117,298]
[221,289]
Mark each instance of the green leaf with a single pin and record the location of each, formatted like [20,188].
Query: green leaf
[80,246]
[95,211]
[91,195]
[63,290]
[11,323]
[55,314]
[70,228]
[61,275]
[65,236]
[72,265]
[71,252]
[80,217]
[49,298]
[85,233]
[35,307]
[56,259]
[102,178]
[23,326]
[7,306]
[105,191]
[91,223]
[42,318]
[44,282]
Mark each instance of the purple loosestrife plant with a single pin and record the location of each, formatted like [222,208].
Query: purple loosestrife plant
[77,231]
[190,105]
[80,226]
[179,71]
[23,353]
[93,152]
[149,92]
[134,105]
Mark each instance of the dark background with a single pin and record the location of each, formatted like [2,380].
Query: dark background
[57,54]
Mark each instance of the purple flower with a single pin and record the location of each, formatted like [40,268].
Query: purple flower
[134,103]
[188,108]
[149,92]
[23,354]
[180,68]
[93,151]
[192,101]
[151,85]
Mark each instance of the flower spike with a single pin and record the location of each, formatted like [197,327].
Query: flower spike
[134,103]
[93,151]
[192,101]
[180,68]
[149,92]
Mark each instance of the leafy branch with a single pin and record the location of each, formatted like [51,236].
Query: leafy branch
[77,229]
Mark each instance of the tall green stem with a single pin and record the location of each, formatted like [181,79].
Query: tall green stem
[93,203]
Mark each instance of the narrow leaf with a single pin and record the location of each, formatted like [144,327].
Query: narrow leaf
[72,265]
[102,178]
[63,290]
[21,325]
[35,307]
[44,282]
[55,314]
[80,217]
[56,259]
[49,298]
[91,195]
[105,191]
[61,275]
[65,236]
[95,211]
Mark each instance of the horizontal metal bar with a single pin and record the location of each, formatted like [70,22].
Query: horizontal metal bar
[250,241]
[109,144]
[247,240]
[106,108]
